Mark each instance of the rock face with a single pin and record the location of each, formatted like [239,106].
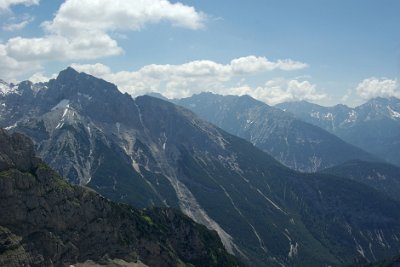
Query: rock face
[148,152]
[44,221]
[16,152]
[373,126]
[298,145]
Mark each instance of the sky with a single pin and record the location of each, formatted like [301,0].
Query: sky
[322,51]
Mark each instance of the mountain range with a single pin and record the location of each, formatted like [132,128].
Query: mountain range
[148,152]
[373,126]
[296,144]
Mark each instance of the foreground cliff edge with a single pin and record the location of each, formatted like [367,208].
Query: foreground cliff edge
[45,221]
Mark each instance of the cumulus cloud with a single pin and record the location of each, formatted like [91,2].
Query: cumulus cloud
[279,90]
[56,47]
[105,15]
[172,80]
[375,87]
[6,4]
[11,68]
[177,81]
[250,64]
[82,29]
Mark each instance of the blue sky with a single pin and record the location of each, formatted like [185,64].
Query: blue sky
[322,51]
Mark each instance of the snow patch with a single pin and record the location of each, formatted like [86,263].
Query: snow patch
[372,252]
[380,237]
[271,202]
[135,166]
[352,116]
[165,139]
[360,250]
[6,89]
[393,114]
[377,177]
[328,116]
[11,126]
[293,250]
[59,125]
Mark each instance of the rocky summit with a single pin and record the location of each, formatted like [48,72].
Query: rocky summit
[45,221]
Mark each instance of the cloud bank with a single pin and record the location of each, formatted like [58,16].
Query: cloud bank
[375,87]
[177,81]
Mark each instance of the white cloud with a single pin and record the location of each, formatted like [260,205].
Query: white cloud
[375,87]
[97,70]
[172,80]
[255,64]
[105,15]
[17,26]
[177,81]
[11,68]
[82,29]
[279,90]
[56,47]
[6,4]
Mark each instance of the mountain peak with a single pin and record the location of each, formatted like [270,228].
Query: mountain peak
[71,81]
[67,74]
[69,70]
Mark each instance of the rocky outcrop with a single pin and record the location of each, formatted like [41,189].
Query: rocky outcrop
[16,151]
[45,221]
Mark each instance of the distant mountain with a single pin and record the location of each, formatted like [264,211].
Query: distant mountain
[381,176]
[148,152]
[157,95]
[44,221]
[373,126]
[298,145]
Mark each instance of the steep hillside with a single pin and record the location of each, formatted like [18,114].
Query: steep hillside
[45,221]
[381,176]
